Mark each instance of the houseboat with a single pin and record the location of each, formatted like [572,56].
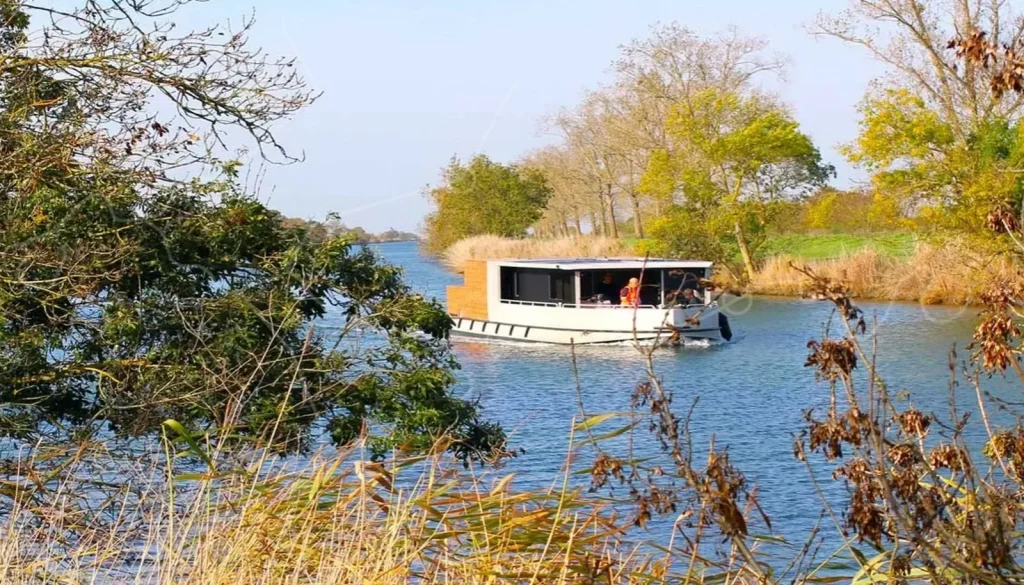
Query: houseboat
[581,301]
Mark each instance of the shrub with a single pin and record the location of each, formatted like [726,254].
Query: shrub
[139,283]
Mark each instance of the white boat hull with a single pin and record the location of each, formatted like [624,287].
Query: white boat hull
[708,328]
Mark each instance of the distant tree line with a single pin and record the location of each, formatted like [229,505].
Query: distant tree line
[319,231]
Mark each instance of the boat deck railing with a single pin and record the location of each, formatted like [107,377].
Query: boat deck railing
[575,306]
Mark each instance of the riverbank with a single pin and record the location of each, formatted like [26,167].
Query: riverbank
[893,267]
[950,274]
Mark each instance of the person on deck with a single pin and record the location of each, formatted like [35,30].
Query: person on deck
[684,298]
[690,298]
[629,296]
[606,288]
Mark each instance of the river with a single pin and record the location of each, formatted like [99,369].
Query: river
[753,392]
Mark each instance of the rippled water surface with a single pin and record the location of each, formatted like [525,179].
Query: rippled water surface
[752,392]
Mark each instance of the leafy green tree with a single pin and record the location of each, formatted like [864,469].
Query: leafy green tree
[131,294]
[743,156]
[484,197]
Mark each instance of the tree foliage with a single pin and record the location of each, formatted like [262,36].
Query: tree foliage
[484,197]
[939,134]
[139,283]
[917,161]
[912,37]
[744,156]
[600,168]
[690,232]
[569,204]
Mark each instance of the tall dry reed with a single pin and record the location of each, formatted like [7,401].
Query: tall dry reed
[491,247]
[332,520]
[948,274]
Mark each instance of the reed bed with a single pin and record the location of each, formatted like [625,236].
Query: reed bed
[492,247]
[334,520]
[948,274]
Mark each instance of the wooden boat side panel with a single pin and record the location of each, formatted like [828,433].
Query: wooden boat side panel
[469,299]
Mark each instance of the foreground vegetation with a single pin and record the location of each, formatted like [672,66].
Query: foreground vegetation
[337,519]
[923,505]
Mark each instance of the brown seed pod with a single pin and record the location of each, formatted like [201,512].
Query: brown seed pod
[831,358]
[913,423]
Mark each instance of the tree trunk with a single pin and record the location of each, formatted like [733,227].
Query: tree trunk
[748,260]
[638,224]
[611,212]
[579,222]
[595,222]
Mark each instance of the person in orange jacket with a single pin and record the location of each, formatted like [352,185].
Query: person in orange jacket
[629,296]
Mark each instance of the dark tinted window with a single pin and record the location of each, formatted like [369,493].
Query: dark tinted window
[538,285]
[561,286]
[677,279]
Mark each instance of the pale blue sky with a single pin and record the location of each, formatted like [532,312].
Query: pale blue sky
[408,84]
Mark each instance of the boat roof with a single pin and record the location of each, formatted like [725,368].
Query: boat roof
[604,263]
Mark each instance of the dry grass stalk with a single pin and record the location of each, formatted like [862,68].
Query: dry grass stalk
[492,247]
[333,520]
[949,274]
[932,509]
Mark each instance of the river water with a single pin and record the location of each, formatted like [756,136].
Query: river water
[753,392]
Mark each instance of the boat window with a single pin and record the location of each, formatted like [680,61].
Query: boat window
[598,287]
[534,285]
[676,279]
[510,286]
[554,288]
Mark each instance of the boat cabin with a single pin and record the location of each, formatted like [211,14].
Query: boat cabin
[590,282]
[574,283]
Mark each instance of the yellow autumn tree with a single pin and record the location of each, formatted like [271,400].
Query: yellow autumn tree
[820,214]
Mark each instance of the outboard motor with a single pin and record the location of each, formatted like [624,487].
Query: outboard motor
[723,326]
